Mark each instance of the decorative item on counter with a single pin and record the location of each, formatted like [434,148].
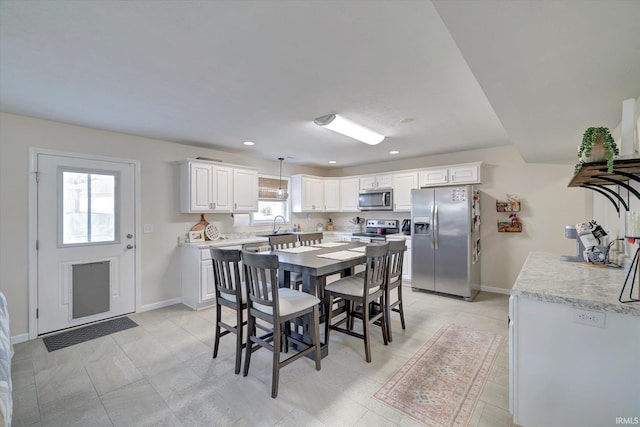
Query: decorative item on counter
[513,226]
[196,236]
[319,226]
[211,232]
[299,228]
[201,226]
[295,228]
[330,225]
[597,146]
[511,205]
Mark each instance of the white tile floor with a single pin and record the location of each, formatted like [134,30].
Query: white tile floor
[162,373]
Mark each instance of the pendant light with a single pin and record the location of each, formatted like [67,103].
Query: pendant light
[280,192]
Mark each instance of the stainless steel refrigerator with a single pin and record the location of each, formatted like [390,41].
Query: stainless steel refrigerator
[445,240]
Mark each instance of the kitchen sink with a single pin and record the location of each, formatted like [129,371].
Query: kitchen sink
[274,234]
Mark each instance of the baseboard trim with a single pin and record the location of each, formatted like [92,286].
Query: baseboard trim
[495,290]
[17,339]
[161,304]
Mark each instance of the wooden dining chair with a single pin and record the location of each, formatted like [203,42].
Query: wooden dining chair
[286,241]
[276,307]
[309,239]
[231,293]
[360,292]
[283,241]
[395,260]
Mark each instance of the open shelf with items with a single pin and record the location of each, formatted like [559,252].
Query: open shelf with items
[595,176]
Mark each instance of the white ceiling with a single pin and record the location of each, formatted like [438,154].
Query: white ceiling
[433,77]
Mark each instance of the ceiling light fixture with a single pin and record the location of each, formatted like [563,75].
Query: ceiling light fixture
[394,152]
[333,162]
[249,143]
[280,192]
[348,128]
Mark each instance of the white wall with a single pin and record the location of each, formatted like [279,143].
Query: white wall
[160,275]
[548,204]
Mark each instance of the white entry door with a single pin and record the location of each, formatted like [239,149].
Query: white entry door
[86,253]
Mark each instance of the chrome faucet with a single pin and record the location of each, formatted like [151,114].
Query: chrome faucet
[274,223]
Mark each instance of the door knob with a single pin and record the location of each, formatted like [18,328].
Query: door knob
[129,246]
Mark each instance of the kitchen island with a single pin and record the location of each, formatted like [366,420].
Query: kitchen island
[574,349]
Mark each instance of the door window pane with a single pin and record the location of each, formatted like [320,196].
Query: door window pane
[88,207]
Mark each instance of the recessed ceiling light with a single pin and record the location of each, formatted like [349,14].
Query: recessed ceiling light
[394,152]
[249,143]
[333,162]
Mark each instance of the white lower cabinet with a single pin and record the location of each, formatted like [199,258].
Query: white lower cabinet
[198,286]
[406,263]
[567,373]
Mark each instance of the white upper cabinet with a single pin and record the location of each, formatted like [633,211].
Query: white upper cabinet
[205,187]
[245,190]
[331,195]
[376,181]
[349,192]
[403,183]
[307,193]
[451,175]
[209,187]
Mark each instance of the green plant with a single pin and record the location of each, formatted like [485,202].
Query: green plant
[590,137]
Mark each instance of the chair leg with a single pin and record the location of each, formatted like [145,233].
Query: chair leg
[365,330]
[251,332]
[275,376]
[384,323]
[238,339]
[401,307]
[316,334]
[216,341]
[387,314]
[327,318]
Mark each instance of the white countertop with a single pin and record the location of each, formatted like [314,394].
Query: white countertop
[546,278]
[226,242]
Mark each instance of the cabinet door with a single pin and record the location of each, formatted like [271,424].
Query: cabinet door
[402,186]
[434,177]
[245,190]
[349,191]
[368,182]
[207,283]
[312,194]
[384,181]
[464,174]
[331,195]
[222,188]
[200,187]
[406,263]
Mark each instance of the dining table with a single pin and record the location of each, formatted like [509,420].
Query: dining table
[315,263]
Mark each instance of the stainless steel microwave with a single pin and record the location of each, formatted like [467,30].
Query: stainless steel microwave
[376,199]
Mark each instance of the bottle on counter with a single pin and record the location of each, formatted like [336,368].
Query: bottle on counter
[330,225]
[299,228]
[294,229]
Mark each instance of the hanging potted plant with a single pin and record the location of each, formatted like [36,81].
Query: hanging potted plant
[597,146]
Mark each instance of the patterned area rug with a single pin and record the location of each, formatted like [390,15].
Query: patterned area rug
[96,330]
[440,384]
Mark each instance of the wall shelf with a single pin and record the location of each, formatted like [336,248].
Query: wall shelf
[595,176]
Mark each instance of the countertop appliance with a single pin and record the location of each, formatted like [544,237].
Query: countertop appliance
[406,226]
[376,230]
[445,240]
[376,199]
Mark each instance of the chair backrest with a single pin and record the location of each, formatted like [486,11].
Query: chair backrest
[261,280]
[226,273]
[375,273]
[309,239]
[397,248]
[282,242]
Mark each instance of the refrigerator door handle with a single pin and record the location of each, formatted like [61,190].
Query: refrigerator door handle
[435,226]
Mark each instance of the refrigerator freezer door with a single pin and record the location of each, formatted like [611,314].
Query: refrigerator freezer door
[422,243]
[452,256]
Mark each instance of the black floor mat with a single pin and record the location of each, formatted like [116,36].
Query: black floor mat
[97,330]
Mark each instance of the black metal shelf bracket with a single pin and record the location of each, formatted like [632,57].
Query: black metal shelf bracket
[604,190]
